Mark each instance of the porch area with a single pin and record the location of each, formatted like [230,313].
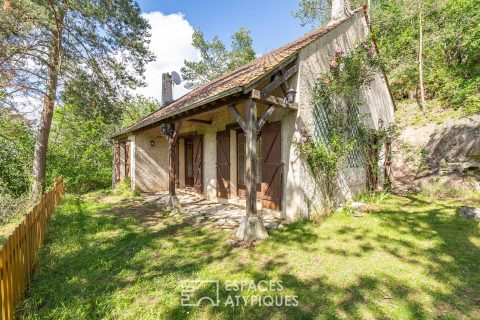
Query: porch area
[201,212]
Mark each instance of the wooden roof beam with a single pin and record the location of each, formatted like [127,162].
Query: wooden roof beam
[272,100]
[279,80]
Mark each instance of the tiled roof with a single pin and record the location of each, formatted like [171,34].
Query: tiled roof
[234,81]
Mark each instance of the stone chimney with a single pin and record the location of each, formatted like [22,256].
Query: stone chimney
[167,89]
[340,10]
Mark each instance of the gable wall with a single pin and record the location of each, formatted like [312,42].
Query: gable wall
[301,197]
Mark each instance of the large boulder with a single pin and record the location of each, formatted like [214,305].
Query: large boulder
[447,154]
[469,212]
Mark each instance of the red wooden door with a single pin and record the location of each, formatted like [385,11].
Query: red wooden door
[127,160]
[272,166]
[197,164]
[223,164]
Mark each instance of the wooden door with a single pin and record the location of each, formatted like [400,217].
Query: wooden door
[117,162]
[272,166]
[189,176]
[197,164]
[127,160]
[223,164]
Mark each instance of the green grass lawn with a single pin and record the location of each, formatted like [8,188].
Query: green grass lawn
[112,257]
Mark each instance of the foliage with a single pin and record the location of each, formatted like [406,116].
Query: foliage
[123,189]
[16,148]
[373,196]
[104,45]
[88,51]
[80,151]
[216,60]
[405,258]
[336,95]
[451,46]
[439,190]
[135,108]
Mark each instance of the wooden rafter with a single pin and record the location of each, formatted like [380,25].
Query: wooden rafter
[272,100]
[201,121]
[271,73]
[279,80]
[264,118]
[233,110]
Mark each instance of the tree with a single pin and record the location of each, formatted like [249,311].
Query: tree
[136,108]
[450,51]
[16,141]
[318,12]
[101,45]
[216,60]
[420,55]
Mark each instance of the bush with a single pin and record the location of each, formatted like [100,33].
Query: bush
[12,207]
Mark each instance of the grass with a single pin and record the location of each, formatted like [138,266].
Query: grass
[409,113]
[109,257]
[12,212]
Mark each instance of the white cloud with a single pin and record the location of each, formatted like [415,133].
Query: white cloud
[171,42]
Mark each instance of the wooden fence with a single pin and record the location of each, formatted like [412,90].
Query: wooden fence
[19,253]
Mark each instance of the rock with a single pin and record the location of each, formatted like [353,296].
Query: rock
[357,205]
[232,222]
[469,212]
[221,222]
[270,225]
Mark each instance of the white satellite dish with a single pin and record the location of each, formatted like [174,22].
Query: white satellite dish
[176,78]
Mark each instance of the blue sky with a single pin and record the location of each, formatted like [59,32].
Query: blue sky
[173,21]
[270,21]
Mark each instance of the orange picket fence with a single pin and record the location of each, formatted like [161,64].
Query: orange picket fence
[19,253]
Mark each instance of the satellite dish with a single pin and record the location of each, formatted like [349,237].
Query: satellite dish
[176,78]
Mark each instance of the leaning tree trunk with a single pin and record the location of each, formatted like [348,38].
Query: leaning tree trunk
[41,143]
[420,57]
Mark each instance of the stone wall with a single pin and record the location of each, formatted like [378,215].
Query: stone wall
[446,153]
[151,162]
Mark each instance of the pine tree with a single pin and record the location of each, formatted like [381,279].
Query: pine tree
[216,60]
[102,43]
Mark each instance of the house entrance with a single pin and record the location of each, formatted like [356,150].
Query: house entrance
[193,163]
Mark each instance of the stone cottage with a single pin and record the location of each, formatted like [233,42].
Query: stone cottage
[231,140]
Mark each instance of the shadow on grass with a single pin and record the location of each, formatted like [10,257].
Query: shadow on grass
[100,262]
[89,256]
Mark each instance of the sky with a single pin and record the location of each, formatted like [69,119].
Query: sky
[173,21]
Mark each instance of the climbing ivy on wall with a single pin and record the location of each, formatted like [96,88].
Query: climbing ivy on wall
[340,131]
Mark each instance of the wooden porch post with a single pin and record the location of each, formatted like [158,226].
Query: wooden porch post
[171,167]
[170,131]
[251,157]
[251,226]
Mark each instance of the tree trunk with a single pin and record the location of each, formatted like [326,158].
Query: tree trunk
[420,57]
[41,143]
